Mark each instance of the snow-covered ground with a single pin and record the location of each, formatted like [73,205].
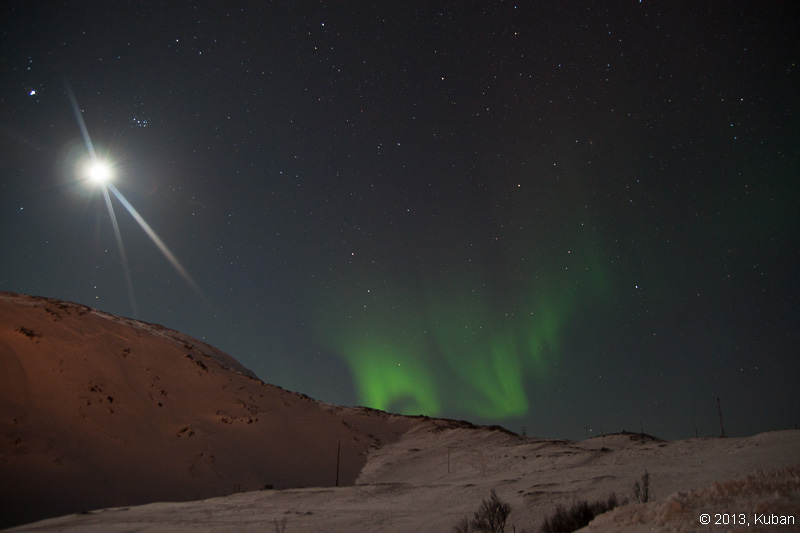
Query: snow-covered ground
[406,486]
[187,422]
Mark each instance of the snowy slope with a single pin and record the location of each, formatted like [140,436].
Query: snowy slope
[187,422]
[97,410]
[406,487]
[766,500]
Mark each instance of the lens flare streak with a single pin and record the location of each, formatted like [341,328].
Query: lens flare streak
[82,125]
[122,253]
[155,238]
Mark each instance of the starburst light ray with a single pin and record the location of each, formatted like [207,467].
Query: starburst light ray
[82,124]
[123,255]
[155,238]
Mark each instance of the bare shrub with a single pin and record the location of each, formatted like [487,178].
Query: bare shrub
[490,517]
[565,520]
[462,526]
[641,491]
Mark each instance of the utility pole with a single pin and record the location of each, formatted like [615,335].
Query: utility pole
[721,424]
[338,450]
[448,458]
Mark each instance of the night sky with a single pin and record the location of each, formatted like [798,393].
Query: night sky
[570,216]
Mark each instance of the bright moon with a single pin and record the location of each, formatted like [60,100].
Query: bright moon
[99,172]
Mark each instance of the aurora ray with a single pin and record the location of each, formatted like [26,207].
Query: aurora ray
[444,347]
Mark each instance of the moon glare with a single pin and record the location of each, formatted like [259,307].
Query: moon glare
[99,172]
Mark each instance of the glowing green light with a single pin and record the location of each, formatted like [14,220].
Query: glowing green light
[457,348]
[391,380]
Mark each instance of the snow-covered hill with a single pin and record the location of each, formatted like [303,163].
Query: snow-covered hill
[97,411]
[103,412]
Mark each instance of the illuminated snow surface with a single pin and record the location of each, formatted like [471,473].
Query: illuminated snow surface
[97,408]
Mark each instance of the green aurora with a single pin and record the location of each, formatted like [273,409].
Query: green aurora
[463,344]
